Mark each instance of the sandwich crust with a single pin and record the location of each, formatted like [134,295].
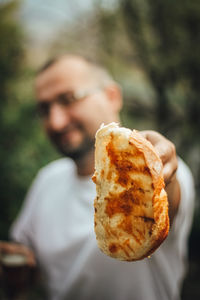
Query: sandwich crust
[131,208]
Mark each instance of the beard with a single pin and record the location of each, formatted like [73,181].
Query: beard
[76,153]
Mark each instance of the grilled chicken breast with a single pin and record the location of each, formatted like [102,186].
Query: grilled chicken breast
[131,207]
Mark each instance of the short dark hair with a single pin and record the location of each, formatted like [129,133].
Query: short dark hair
[48,64]
[97,71]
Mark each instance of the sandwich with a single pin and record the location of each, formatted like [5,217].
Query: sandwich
[131,206]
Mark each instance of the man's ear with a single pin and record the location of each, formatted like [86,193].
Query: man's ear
[114,95]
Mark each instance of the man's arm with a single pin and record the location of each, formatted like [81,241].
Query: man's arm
[167,152]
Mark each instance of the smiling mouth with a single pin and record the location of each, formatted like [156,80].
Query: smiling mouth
[67,132]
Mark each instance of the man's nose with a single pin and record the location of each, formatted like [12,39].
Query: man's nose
[58,117]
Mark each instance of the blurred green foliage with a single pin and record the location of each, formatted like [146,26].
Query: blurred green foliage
[24,148]
[166,37]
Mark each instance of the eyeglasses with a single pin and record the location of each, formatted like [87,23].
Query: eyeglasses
[64,99]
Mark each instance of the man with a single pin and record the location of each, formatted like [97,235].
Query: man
[74,98]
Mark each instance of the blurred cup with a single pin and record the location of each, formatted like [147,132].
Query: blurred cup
[16,274]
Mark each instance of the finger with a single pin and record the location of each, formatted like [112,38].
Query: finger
[28,253]
[160,143]
[14,248]
[169,172]
[152,136]
[164,152]
[6,247]
[165,148]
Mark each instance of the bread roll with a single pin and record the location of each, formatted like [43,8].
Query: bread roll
[131,206]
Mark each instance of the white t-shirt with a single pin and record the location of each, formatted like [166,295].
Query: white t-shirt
[57,222]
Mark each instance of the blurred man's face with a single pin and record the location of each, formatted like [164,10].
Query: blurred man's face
[72,106]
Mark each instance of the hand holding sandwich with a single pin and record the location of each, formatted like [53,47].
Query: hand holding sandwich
[132,171]
[167,152]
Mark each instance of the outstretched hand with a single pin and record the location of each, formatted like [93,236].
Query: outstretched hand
[167,152]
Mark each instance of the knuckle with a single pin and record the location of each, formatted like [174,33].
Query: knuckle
[172,149]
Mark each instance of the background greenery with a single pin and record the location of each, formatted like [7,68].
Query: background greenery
[150,47]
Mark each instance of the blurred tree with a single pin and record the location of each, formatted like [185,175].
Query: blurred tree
[10,60]
[166,36]
[24,148]
[11,45]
